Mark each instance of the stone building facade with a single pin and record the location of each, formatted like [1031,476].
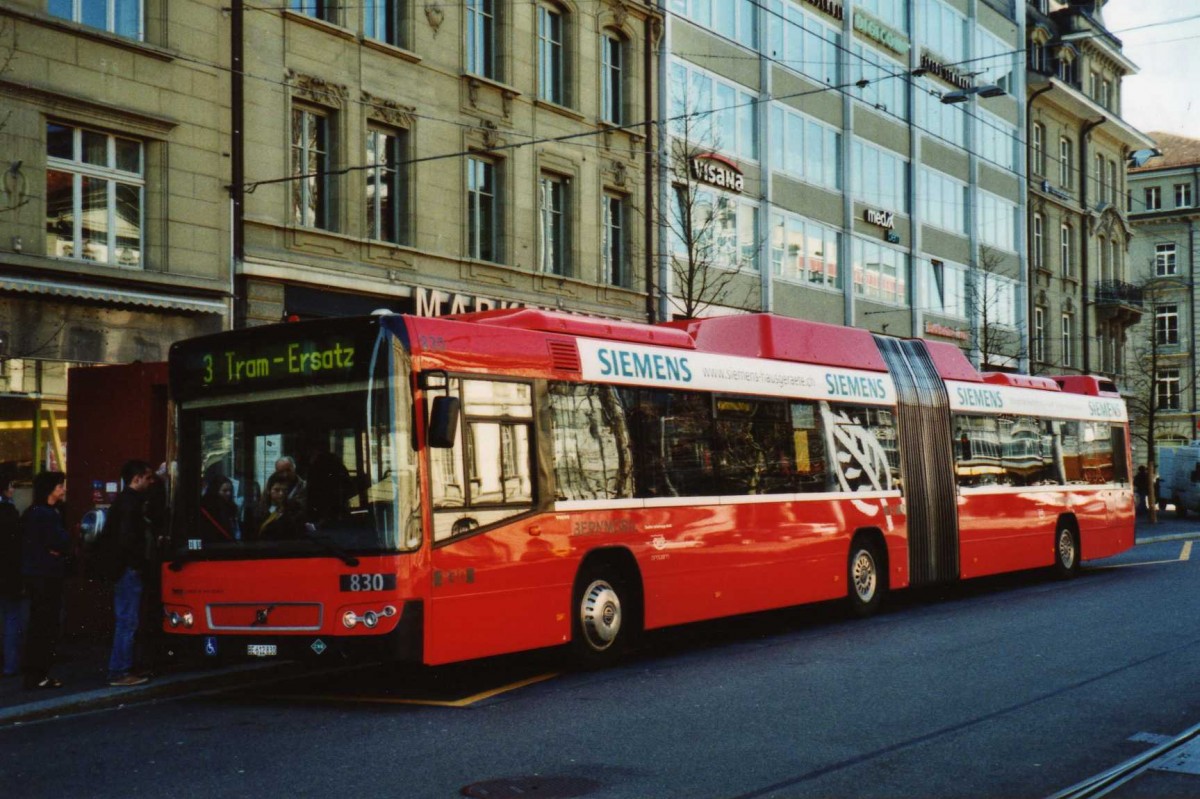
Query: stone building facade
[113,217]
[446,157]
[1162,198]
[1083,299]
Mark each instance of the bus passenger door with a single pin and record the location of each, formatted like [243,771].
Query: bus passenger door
[495,574]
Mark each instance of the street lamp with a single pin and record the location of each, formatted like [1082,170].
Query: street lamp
[961,95]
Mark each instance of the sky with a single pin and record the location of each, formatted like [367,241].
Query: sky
[1165,94]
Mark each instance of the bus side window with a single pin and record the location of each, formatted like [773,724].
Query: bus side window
[865,457]
[592,455]
[488,475]
[808,448]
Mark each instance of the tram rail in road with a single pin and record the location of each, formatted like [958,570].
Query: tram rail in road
[1159,757]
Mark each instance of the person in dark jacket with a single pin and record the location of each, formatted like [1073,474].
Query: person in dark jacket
[219,521]
[10,578]
[134,545]
[45,546]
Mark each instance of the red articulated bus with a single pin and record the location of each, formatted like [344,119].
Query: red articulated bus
[515,479]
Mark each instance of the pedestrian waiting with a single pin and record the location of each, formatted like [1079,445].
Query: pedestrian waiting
[129,551]
[45,549]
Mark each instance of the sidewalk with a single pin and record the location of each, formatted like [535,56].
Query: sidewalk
[82,668]
[82,665]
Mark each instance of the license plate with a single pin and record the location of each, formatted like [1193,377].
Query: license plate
[262,650]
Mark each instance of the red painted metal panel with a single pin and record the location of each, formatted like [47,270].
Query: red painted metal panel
[951,363]
[785,339]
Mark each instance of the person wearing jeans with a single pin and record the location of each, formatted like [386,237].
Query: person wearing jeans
[127,606]
[132,547]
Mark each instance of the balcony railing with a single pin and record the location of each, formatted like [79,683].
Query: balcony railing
[1117,292]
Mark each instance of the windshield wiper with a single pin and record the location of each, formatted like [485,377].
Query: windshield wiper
[328,544]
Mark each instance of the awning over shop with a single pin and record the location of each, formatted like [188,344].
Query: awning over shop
[112,295]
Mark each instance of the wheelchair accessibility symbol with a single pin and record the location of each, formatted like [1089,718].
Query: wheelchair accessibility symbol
[210,646]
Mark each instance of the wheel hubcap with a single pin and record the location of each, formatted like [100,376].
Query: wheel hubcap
[600,615]
[865,578]
[1066,549]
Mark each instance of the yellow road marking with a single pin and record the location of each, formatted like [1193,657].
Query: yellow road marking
[1184,554]
[465,702]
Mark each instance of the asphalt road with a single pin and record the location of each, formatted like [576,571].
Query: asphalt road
[1010,687]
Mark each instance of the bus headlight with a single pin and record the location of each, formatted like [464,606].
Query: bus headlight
[368,618]
[179,617]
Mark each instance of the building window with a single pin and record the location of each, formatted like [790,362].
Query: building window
[880,273]
[1113,188]
[1105,258]
[552,224]
[481,38]
[1068,338]
[1065,250]
[1039,148]
[1098,177]
[483,211]
[1183,195]
[708,112]
[122,17]
[1114,246]
[731,18]
[1039,242]
[1166,325]
[1164,260]
[95,196]
[1064,162]
[1106,94]
[383,21]
[871,71]
[805,148]
[804,251]
[713,230]
[944,200]
[1166,389]
[1039,334]
[612,73]
[615,247]
[551,62]
[311,181]
[387,186]
[1153,198]
[319,9]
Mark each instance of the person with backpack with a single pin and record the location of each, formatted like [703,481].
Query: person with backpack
[10,577]
[45,549]
[129,551]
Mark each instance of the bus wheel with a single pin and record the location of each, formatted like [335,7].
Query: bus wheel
[1066,552]
[601,625]
[866,582]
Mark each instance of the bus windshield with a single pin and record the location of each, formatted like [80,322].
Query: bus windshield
[316,469]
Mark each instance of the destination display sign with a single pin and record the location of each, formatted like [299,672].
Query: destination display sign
[289,355]
[629,364]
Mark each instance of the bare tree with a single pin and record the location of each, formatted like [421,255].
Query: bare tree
[1148,392]
[988,294]
[703,249]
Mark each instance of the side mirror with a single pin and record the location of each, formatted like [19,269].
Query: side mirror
[443,422]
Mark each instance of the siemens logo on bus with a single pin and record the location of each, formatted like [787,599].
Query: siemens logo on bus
[980,398]
[856,387]
[1104,410]
[644,366]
